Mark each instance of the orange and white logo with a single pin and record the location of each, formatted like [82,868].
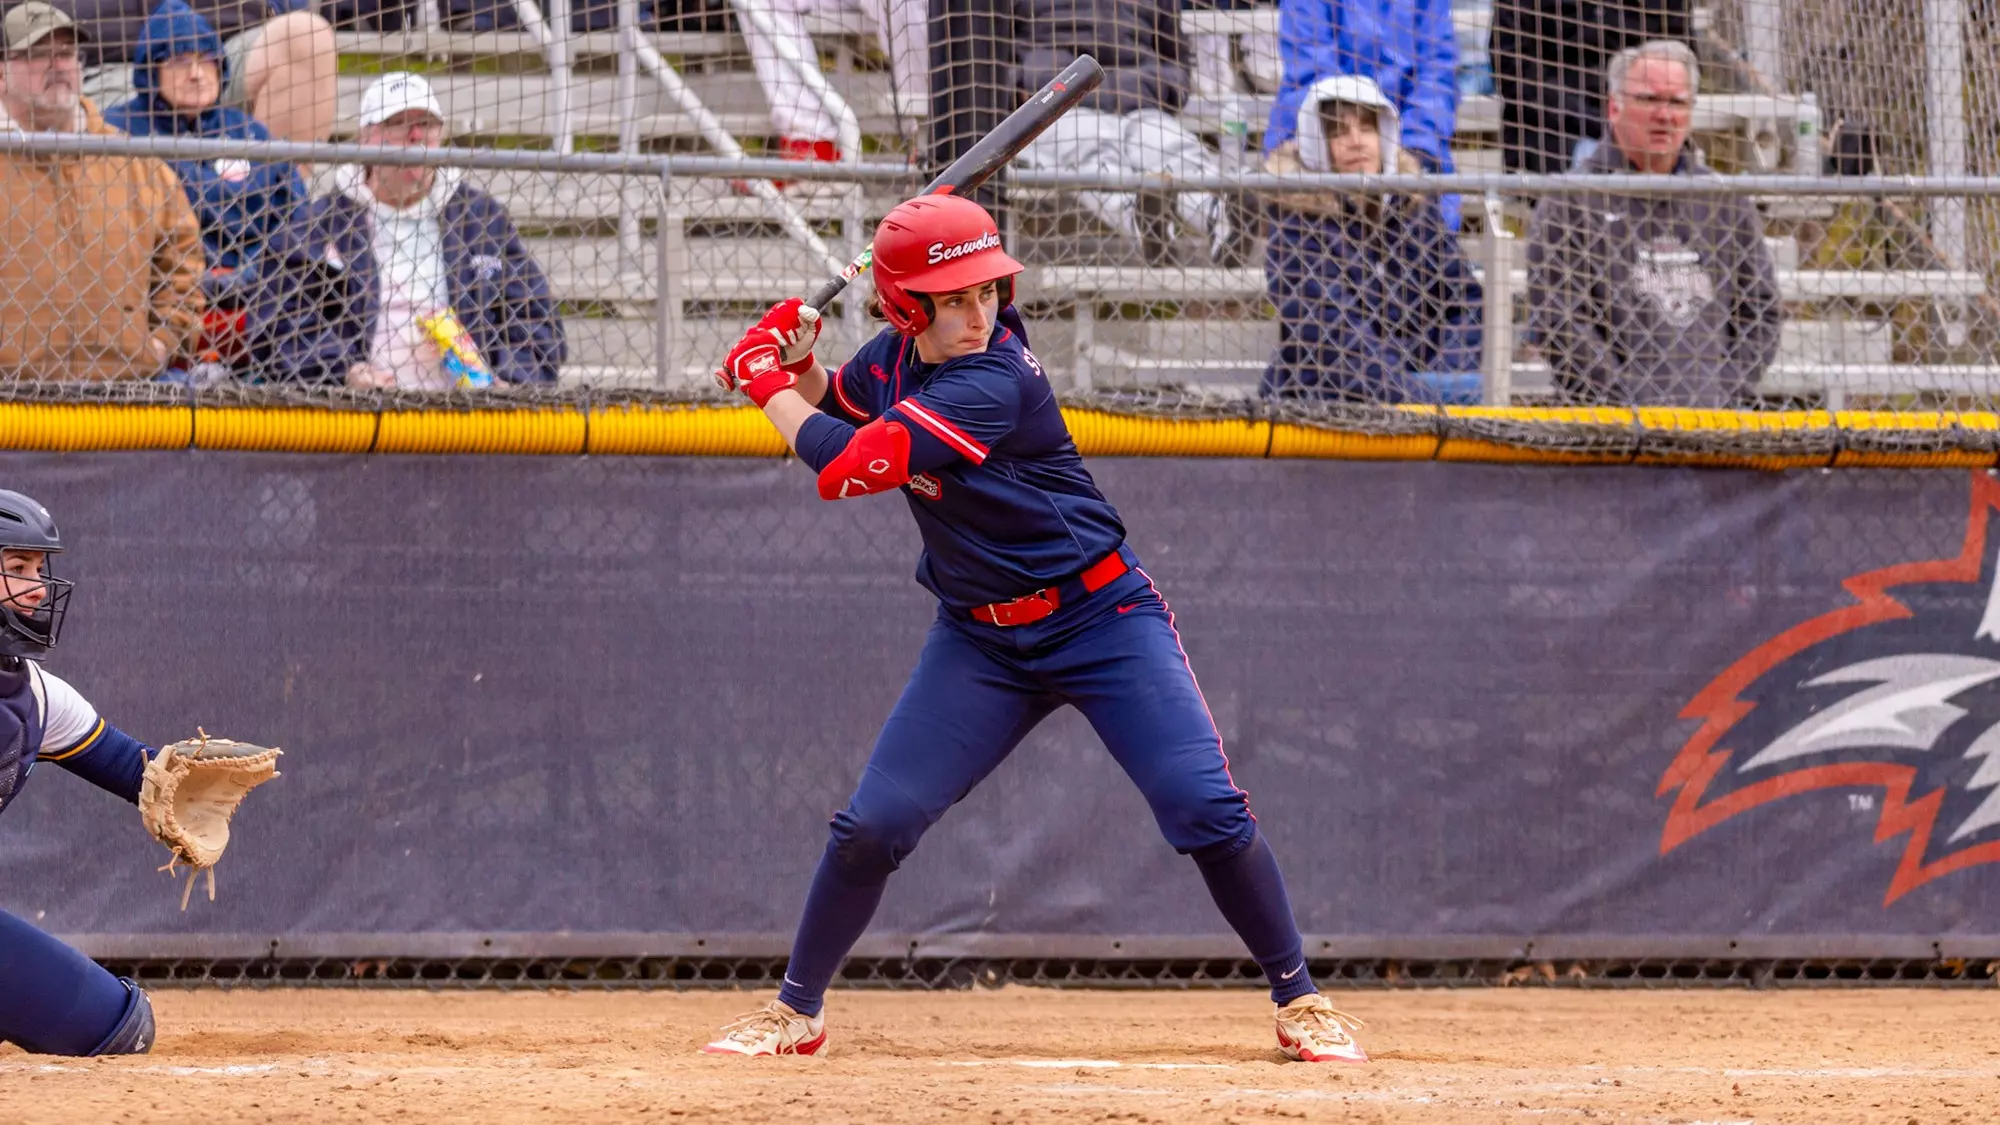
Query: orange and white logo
[1887,697]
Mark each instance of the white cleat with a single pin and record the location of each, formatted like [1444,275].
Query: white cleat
[1311,1029]
[774,1029]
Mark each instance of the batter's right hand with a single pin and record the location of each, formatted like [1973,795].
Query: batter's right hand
[795,326]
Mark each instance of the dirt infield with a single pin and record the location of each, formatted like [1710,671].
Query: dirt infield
[1032,1055]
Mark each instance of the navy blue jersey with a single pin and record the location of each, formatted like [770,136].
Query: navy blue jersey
[997,486]
[42,718]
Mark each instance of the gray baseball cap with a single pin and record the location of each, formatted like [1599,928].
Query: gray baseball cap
[30,23]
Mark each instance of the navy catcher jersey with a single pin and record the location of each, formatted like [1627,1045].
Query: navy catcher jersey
[40,716]
[998,488]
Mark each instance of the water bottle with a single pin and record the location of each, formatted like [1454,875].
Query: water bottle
[1235,136]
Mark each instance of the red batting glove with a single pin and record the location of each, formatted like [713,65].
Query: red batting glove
[796,328]
[755,366]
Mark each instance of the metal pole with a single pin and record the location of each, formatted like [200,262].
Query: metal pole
[664,340]
[628,127]
[559,75]
[712,131]
[1764,39]
[1497,311]
[1944,119]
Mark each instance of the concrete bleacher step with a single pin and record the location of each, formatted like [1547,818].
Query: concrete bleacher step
[543,198]
[521,104]
[1142,283]
[595,269]
[827,27]
[443,45]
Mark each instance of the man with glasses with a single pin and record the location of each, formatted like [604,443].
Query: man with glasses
[100,256]
[1660,299]
[369,286]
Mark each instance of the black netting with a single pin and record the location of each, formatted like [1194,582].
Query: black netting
[690,973]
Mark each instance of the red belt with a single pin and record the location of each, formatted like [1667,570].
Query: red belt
[1030,608]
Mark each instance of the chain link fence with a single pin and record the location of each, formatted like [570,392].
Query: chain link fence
[588,202]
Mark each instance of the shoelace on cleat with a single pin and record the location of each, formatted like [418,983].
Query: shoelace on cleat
[755,1025]
[1326,1017]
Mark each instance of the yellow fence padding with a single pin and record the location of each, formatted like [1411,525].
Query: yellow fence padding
[1525,435]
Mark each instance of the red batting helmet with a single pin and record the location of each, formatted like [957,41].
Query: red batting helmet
[936,244]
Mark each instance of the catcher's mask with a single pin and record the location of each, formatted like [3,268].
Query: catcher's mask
[27,526]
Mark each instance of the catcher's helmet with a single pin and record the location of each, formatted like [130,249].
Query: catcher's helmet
[26,525]
[936,244]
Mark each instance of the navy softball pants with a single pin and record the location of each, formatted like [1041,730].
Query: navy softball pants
[56,1001]
[979,689]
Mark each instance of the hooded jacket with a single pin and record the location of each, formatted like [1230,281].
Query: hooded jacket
[1662,300]
[319,292]
[239,203]
[1409,48]
[115,27]
[99,255]
[1369,292]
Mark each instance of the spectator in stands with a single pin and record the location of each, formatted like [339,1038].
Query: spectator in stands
[100,256]
[281,59]
[1409,49]
[1548,64]
[178,73]
[1375,302]
[346,287]
[1669,300]
[1128,124]
[805,129]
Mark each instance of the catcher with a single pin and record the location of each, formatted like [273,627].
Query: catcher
[53,999]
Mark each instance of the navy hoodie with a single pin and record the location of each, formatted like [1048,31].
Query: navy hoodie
[239,203]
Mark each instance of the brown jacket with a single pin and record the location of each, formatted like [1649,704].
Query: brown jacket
[99,256]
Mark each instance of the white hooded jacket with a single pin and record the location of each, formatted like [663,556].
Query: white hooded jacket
[1354,90]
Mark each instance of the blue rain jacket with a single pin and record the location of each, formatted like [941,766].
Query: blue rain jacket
[239,203]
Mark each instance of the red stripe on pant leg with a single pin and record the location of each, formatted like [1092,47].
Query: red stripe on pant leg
[1199,694]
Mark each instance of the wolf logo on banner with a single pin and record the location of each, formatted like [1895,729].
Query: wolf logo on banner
[1898,692]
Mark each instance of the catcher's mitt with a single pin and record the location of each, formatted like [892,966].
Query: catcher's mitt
[191,790]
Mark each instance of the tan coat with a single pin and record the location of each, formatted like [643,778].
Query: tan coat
[99,256]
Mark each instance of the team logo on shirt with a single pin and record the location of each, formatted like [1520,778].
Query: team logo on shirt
[1893,697]
[1672,276]
[927,486]
[939,252]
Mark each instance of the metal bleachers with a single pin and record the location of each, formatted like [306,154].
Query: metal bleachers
[601,243]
